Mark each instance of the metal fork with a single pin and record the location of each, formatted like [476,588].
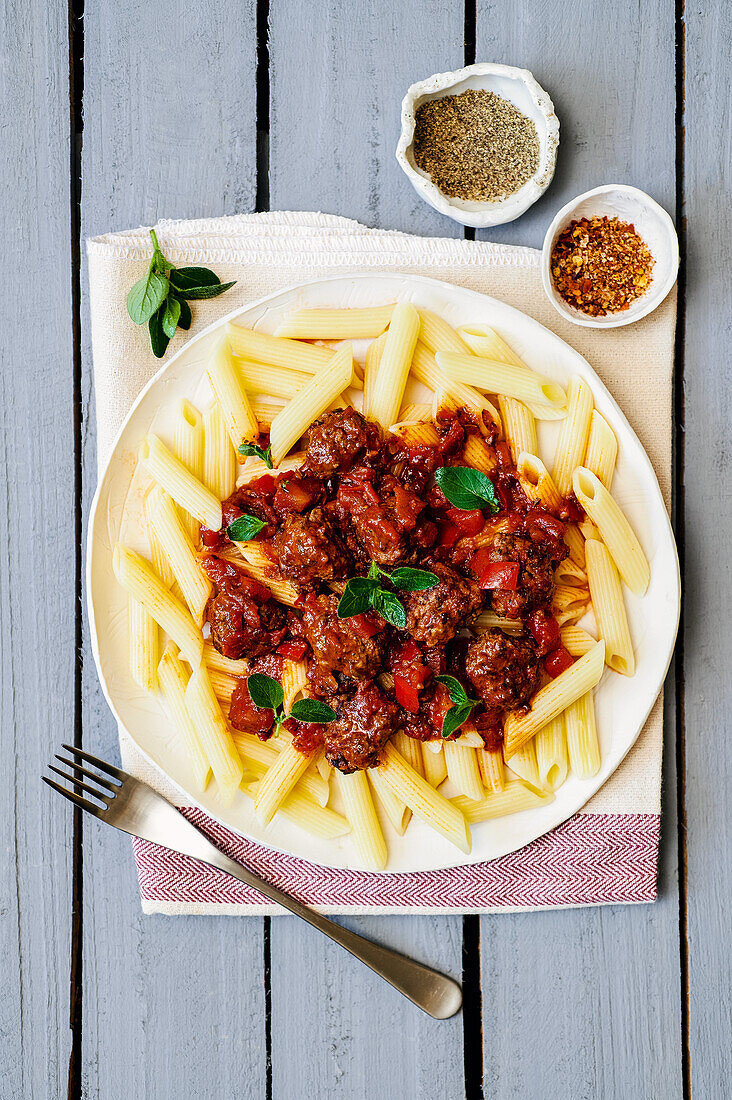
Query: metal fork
[128,804]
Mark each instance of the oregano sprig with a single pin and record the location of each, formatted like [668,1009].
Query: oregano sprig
[467,488]
[251,450]
[267,694]
[161,298]
[462,706]
[367,593]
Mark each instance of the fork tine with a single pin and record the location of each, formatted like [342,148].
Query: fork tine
[110,769]
[83,786]
[75,798]
[89,775]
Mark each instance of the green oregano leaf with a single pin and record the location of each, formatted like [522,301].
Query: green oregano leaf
[184,321]
[171,316]
[312,710]
[455,718]
[357,598]
[184,277]
[390,608]
[245,528]
[197,293]
[147,296]
[159,340]
[265,691]
[467,488]
[413,580]
[251,450]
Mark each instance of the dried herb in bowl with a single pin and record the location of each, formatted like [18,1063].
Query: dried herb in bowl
[475,145]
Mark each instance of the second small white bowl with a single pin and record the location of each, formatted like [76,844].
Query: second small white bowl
[519,87]
[651,222]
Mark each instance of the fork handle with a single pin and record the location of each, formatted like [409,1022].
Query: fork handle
[431,991]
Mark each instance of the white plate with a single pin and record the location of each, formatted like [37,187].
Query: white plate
[622,704]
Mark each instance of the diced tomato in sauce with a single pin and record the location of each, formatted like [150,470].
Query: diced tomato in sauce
[410,675]
[470,522]
[558,661]
[293,651]
[480,561]
[367,624]
[501,574]
[449,534]
[545,629]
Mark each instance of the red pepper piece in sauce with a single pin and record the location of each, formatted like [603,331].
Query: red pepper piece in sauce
[409,675]
[449,534]
[294,651]
[470,522]
[407,694]
[558,661]
[545,629]
[501,574]
[366,624]
[480,561]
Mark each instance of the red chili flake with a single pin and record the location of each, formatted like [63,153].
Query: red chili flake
[601,265]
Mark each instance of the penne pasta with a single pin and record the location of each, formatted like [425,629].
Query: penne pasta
[178,548]
[391,369]
[137,576]
[310,403]
[262,569]
[266,409]
[576,641]
[492,376]
[186,490]
[462,769]
[258,378]
[413,414]
[486,343]
[360,811]
[308,815]
[423,800]
[615,531]
[173,683]
[219,460]
[602,449]
[572,442]
[583,745]
[213,732]
[188,449]
[490,762]
[255,467]
[479,454]
[294,681]
[278,781]
[371,369]
[395,811]
[512,800]
[223,684]
[536,481]
[437,335]
[550,744]
[144,645]
[416,435]
[216,662]
[335,324]
[235,407]
[609,608]
[410,749]
[551,700]
[523,763]
[519,427]
[449,393]
[569,573]
[161,565]
[276,351]
[258,756]
[575,540]
[487,620]
[434,767]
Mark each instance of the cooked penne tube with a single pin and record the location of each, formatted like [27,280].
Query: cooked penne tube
[311,402]
[491,768]
[462,770]
[423,800]
[551,754]
[551,700]
[216,740]
[519,427]
[335,324]
[609,608]
[294,680]
[258,378]
[468,738]
[409,749]
[258,756]
[359,808]
[491,528]
[575,540]
[479,454]
[173,683]
[144,645]
[216,662]
[536,481]
[576,641]
[278,781]
[572,442]
[425,370]
[322,766]
[523,763]
[176,542]
[370,373]
[583,745]
[437,335]
[434,767]
[262,569]
[223,684]
[160,562]
[569,597]
[266,409]
[137,576]
[255,467]
[615,531]
[276,351]
[486,343]
[492,376]
[219,460]
[512,800]
[392,367]
[416,435]
[412,414]
[602,449]
[395,811]
[442,402]
[226,383]
[177,480]
[569,573]
[487,620]
[301,810]
[188,449]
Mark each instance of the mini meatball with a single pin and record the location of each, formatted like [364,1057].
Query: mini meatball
[244,620]
[535,587]
[337,441]
[435,615]
[503,670]
[336,643]
[365,723]
[383,519]
[308,549]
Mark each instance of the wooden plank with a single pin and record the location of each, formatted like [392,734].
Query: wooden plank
[337,83]
[708,579]
[37,566]
[597,990]
[172,1006]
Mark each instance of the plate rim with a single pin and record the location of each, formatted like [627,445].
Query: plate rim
[103,473]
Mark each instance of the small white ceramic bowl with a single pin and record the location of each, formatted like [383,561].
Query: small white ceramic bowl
[516,85]
[651,222]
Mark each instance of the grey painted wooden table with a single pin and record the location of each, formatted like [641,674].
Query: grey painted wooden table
[115,114]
